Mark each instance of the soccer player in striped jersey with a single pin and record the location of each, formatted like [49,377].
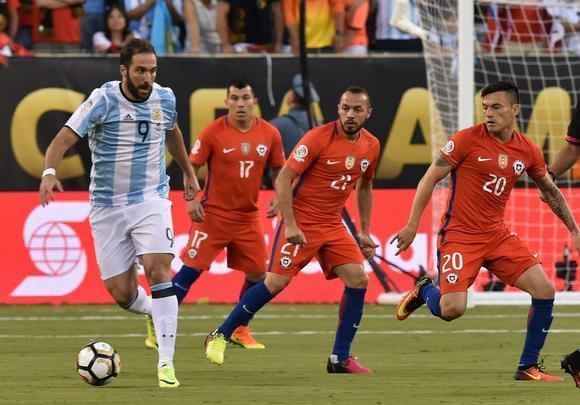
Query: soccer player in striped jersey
[485,162]
[128,124]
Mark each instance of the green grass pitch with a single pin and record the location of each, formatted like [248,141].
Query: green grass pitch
[422,360]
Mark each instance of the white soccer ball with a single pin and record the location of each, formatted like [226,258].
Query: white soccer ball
[98,363]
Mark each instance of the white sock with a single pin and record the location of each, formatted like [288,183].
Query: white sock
[164,311]
[142,303]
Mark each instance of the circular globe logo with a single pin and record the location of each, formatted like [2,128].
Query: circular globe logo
[55,248]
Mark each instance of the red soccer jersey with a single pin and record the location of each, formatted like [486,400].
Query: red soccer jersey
[329,165]
[236,162]
[484,173]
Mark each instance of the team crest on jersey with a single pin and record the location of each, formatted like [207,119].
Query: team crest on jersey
[300,153]
[448,148]
[452,278]
[285,261]
[196,147]
[245,148]
[349,162]
[519,167]
[364,165]
[261,149]
[156,116]
[192,253]
[502,161]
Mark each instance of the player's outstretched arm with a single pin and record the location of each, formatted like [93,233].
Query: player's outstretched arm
[284,191]
[565,159]
[438,170]
[63,141]
[365,203]
[559,206]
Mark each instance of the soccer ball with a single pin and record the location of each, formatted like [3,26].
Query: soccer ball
[98,363]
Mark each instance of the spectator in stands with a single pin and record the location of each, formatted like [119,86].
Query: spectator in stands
[565,28]
[250,26]
[518,29]
[25,23]
[56,25]
[390,38]
[295,123]
[324,25]
[92,22]
[9,17]
[356,13]
[156,21]
[201,22]
[8,47]
[116,33]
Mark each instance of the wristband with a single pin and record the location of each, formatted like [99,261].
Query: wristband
[51,171]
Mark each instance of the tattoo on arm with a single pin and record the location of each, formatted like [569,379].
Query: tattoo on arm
[559,206]
[441,162]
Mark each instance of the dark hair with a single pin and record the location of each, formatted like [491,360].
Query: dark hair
[358,90]
[134,47]
[506,86]
[126,30]
[239,84]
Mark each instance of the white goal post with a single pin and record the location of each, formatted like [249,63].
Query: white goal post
[469,44]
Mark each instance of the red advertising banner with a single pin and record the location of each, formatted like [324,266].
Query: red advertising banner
[48,254]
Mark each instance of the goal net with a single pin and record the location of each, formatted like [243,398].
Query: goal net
[536,45]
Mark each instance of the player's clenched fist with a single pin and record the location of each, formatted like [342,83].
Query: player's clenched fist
[367,245]
[404,238]
[195,211]
[294,235]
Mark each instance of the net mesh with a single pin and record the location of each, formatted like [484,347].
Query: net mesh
[534,44]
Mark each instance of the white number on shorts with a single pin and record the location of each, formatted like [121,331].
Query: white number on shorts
[496,185]
[198,237]
[454,261]
[287,249]
[245,166]
[341,183]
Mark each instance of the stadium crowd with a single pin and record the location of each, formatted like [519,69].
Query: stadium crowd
[353,27]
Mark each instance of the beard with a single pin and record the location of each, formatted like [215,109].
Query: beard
[353,128]
[134,90]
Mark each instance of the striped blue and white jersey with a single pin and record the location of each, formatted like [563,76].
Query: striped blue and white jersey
[127,143]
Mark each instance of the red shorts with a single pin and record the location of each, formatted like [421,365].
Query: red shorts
[246,249]
[504,254]
[332,245]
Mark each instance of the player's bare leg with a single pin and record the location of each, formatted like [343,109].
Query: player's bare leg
[242,336]
[164,311]
[252,301]
[535,282]
[129,295]
[350,314]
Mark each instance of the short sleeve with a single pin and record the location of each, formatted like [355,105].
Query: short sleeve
[305,152]
[573,135]
[276,158]
[168,104]
[455,150]
[89,114]
[202,148]
[369,173]
[537,167]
